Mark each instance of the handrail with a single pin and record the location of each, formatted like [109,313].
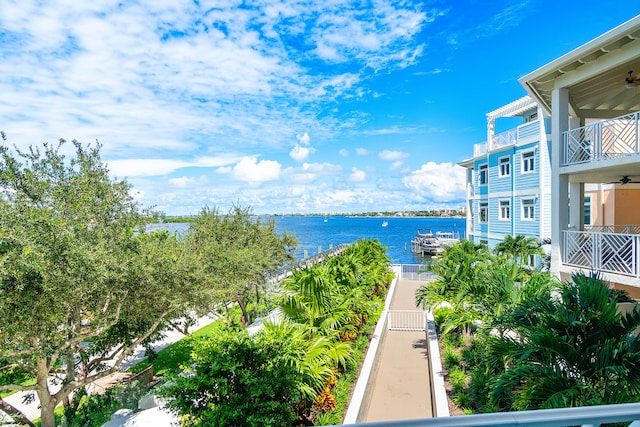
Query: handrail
[603,140]
[585,415]
[607,252]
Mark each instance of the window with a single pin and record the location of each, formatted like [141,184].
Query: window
[483,175]
[528,210]
[587,210]
[531,261]
[484,211]
[505,209]
[504,166]
[528,162]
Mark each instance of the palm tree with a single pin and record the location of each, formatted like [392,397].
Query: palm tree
[519,248]
[572,350]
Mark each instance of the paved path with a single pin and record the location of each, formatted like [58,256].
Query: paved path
[401,386]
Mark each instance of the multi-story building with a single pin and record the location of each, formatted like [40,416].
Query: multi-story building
[509,177]
[592,95]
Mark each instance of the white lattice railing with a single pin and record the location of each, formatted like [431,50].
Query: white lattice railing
[504,139]
[607,252]
[625,229]
[607,139]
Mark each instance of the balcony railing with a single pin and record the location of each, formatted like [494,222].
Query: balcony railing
[607,252]
[510,137]
[625,229]
[607,139]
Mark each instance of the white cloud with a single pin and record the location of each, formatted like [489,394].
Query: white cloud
[310,172]
[250,170]
[187,182]
[159,167]
[393,155]
[304,139]
[397,164]
[343,152]
[442,182]
[362,151]
[357,175]
[300,154]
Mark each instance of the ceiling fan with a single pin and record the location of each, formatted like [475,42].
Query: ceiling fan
[625,180]
[632,80]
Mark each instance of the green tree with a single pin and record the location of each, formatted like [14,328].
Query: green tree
[519,248]
[239,255]
[73,271]
[237,380]
[573,349]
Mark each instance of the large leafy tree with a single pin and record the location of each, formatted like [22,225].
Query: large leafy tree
[73,270]
[575,349]
[239,256]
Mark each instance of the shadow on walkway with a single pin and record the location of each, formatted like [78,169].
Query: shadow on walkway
[401,386]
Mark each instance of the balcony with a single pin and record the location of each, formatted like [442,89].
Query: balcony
[609,252]
[603,140]
[507,138]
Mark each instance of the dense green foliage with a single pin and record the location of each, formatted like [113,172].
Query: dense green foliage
[238,255]
[82,285]
[515,339]
[289,370]
[575,349]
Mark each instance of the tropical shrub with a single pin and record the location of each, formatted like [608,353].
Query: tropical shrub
[575,349]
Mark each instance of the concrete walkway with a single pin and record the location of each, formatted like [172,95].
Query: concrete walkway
[401,386]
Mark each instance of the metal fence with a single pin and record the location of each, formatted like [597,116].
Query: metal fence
[407,320]
[416,272]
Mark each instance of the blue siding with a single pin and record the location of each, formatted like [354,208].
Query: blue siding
[498,183]
[480,189]
[498,226]
[526,227]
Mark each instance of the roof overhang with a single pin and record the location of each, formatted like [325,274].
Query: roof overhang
[512,109]
[594,75]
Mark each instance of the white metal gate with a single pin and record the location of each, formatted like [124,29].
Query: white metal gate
[407,320]
[416,272]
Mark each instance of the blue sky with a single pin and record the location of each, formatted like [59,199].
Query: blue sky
[285,106]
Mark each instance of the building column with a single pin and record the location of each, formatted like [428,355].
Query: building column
[576,206]
[491,130]
[470,198]
[559,183]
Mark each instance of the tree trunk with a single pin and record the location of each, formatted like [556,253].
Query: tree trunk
[47,402]
[245,318]
[47,408]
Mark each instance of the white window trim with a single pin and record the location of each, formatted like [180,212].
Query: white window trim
[486,209]
[500,174]
[522,217]
[522,162]
[500,217]
[486,172]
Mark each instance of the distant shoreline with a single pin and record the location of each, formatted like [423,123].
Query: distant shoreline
[177,219]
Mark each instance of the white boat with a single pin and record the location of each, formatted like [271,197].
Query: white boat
[447,237]
[425,242]
[385,223]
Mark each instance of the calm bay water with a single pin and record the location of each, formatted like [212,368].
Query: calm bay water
[314,233]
